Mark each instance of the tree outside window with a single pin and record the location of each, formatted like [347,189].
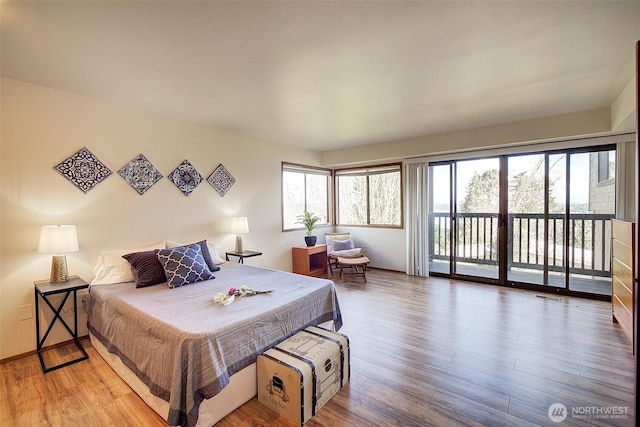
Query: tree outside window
[370,196]
[304,188]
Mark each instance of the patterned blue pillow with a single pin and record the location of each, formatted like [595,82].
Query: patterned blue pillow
[184,265]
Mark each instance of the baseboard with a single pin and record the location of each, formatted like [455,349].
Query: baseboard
[49,347]
[386,269]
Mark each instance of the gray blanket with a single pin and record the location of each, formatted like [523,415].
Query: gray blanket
[185,347]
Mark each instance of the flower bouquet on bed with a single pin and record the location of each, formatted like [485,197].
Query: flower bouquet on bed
[233,293]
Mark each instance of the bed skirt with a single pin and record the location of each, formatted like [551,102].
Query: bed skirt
[241,388]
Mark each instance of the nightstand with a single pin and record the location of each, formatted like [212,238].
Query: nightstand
[242,255]
[310,260]
[43,290]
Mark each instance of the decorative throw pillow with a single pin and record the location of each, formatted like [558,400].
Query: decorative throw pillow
[342,245]
[184,265]
[146,268]
[206,253]
[332,237]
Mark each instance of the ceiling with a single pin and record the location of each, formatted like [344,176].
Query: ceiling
[329,75]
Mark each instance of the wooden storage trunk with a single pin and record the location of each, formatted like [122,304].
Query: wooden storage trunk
[300,374]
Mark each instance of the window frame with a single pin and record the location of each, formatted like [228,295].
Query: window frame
[368,171]
[306,170]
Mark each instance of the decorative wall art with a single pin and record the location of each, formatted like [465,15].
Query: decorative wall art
[185,177]
[221,180]
[140,174]
[83,170]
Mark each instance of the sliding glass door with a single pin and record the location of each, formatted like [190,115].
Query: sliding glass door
[529,220]
[591,207]
[528,206]
[440,208]
[477,196]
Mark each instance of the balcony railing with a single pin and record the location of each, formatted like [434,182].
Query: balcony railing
[587,250]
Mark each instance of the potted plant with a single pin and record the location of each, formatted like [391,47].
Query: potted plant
[309,220]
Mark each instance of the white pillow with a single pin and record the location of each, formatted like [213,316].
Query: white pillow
[214,250]
[346,253]
[112,268]
[170,245]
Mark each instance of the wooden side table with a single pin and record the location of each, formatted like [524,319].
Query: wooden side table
[44,289]
[310,260]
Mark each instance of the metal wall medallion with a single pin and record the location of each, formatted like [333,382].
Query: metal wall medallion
[221,180]
[185,177]
[83,169]
[140,174]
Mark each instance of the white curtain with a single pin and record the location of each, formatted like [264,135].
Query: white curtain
[417,218]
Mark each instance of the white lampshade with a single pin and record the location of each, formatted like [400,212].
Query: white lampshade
[239,225]
[57,239]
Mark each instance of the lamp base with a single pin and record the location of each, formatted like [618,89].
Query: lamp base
[59,272]
[239,244]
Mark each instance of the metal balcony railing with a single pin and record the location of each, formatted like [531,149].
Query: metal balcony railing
[582,241]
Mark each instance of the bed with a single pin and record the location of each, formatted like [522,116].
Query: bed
[193,360]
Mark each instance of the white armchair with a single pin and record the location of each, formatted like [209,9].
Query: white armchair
[341,245]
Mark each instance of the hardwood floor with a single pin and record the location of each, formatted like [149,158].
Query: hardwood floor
[424,352]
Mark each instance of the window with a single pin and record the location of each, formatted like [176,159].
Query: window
[370,196]
[304,188]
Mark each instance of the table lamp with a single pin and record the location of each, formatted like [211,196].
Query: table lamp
[239,225]
[58,239]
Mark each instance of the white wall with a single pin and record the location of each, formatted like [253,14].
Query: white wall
[565,126]
[385,247]
[41,127]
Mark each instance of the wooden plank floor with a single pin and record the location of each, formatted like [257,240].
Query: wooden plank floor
[424,352]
